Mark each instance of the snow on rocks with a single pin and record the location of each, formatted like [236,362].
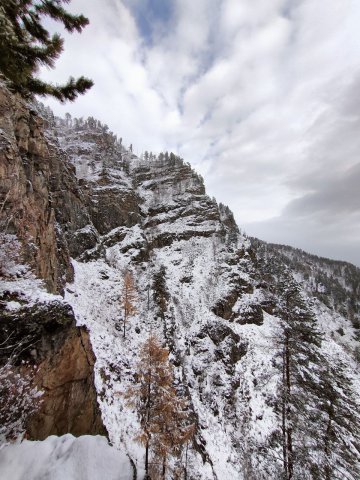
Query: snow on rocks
[28,289]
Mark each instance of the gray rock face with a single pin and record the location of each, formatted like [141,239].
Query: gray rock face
[109,196]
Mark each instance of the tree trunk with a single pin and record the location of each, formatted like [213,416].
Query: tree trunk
[290,454]
[285,412]
[283,417]
[125,315]
[186,460]
[288,391]
[327,442]
[148,405]
[163,467]
[147,460]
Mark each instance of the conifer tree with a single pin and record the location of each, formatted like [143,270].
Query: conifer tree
[164,417]
[338,455]
[298,342]
[320,423]
[161,294]
[128,298]
[26,45]
[318,434]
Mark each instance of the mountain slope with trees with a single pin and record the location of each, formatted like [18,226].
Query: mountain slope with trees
[261,375]
[334,283]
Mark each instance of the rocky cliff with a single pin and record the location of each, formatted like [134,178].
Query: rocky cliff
[39,195]
[227,314]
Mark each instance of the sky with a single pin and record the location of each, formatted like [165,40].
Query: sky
[262,97]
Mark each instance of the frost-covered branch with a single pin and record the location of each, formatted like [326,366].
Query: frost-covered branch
[19,399]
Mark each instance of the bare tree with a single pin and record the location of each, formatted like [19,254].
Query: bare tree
[19,395]
[128,298]
[19,399]
[164,416]
[9,254]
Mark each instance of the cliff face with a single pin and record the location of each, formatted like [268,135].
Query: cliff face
[27,164]
[69,403]
[43,335]
[223,313]
[39,196]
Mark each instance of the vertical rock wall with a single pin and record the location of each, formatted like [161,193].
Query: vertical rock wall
[25,194]
[69,403]
[39,198]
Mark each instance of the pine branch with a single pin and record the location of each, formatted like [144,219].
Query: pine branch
[25,45]
[70,91]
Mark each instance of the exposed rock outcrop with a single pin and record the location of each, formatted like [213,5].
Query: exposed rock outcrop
[26,197]
[44,335]
[69,402]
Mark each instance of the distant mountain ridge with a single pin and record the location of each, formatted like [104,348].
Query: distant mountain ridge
[335,283]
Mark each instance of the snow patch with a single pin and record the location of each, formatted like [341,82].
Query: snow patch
[58,458]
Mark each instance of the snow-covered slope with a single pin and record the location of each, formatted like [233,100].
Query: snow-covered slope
[58,458]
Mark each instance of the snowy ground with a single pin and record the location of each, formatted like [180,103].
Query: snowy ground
[64,458]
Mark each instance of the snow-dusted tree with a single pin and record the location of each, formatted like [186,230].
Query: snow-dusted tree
[68,119]
[19,399]
[9,254]
[164,416]
[160,292]
[26,45]
[298,342]
[128,298]
[339,425]
[320,424]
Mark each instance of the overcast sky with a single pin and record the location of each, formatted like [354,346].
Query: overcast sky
[261,96]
